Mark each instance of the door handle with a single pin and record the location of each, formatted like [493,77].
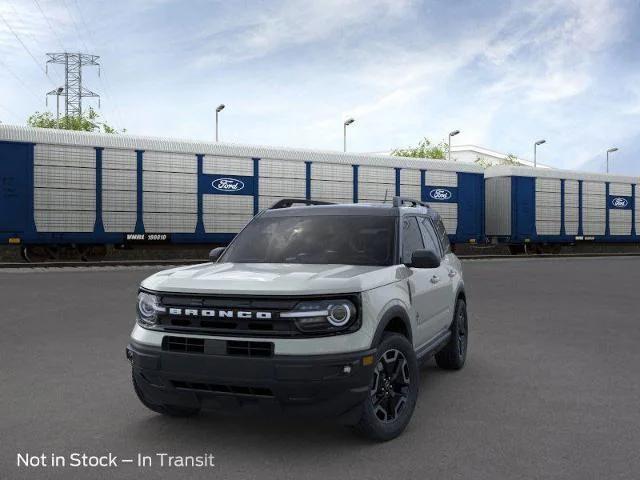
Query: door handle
[435,279]
[452,273]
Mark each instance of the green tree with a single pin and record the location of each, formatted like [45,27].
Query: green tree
[510,159]
[425,149]
[89,121]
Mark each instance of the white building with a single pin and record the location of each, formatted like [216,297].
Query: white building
[471,153]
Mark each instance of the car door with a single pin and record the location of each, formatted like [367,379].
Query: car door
[421,283]
[441,295]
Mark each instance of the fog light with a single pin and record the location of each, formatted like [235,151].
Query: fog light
[368,360]
[346,369]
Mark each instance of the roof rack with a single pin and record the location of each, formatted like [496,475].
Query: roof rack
[400,201]
[289,202]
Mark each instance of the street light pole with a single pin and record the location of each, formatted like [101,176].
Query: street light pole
[611,150]
[59,90]
[535,153]
[348,121]
[451,134]
[218,110]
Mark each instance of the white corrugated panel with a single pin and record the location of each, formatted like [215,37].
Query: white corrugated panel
[594,188]
[64,199]
[571,186]
[619,221]
[170,222]
[227,166]
[331,171]
[437,178]
[411,191]
[571,219]
[64,177]
[547,185]
[119,221]
[169,162]
[119,159]
[376,175]
[375,191]
[169,202]
[282,169]
[169,182]
[620,189]
[290,187]
[64,221]
[119,180]
[409,177]
[227,204]
[64,156]
[329,189]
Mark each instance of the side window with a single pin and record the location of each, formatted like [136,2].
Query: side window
[431,241]
[442,234]
[411,238]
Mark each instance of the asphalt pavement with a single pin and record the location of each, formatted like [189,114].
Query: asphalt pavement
[550,390]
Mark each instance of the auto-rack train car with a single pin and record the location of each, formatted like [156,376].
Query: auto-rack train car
[64,190]
[543,209]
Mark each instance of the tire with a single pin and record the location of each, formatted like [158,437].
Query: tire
[388,408]
[454,354]
[169,410]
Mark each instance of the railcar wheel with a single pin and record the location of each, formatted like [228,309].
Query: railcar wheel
[37,253]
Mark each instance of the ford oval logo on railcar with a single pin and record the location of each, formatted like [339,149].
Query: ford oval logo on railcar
[440,194]
[619,202]
[228,184]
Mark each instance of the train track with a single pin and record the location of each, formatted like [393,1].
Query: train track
[193,261]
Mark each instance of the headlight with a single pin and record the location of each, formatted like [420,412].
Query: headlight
[323,316]
[148,309]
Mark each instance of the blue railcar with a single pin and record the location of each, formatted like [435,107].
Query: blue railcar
[549,207]
[64,188]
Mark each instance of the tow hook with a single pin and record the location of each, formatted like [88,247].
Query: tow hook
[129,355]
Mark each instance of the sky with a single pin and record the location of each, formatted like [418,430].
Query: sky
[505,73]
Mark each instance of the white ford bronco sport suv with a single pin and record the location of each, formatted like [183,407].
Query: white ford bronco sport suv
[319,308]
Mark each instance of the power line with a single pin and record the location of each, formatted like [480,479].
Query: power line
[104,82]
[26,48]
[19,80]
[75,25]
[55,33]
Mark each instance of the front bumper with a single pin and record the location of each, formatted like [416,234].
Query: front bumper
[320,385]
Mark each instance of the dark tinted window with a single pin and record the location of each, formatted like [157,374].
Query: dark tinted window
[442,234]
[431,241]
[411,238]
[349,240]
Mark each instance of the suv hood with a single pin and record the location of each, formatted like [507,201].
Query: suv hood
[272,278]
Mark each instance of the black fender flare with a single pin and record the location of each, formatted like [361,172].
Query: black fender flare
[396,311]
[459,294]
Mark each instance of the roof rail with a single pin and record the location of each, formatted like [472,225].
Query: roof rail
[400,201]
[289,202]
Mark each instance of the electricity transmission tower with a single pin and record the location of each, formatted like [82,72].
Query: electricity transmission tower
[73,91]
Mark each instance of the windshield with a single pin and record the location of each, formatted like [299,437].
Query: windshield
[349,240]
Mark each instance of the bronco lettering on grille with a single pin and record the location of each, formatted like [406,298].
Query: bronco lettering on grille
[198,312]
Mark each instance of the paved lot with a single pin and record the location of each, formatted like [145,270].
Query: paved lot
[550,390]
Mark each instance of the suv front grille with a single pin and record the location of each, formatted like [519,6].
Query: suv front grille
[250,349]
[184,344]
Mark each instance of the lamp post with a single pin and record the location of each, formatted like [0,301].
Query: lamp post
[611,150]
[218,110]
[535,147]
[59,90]
[451,134]
[348,121]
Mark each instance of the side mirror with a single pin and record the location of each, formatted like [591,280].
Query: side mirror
[424,259]
[215,254]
